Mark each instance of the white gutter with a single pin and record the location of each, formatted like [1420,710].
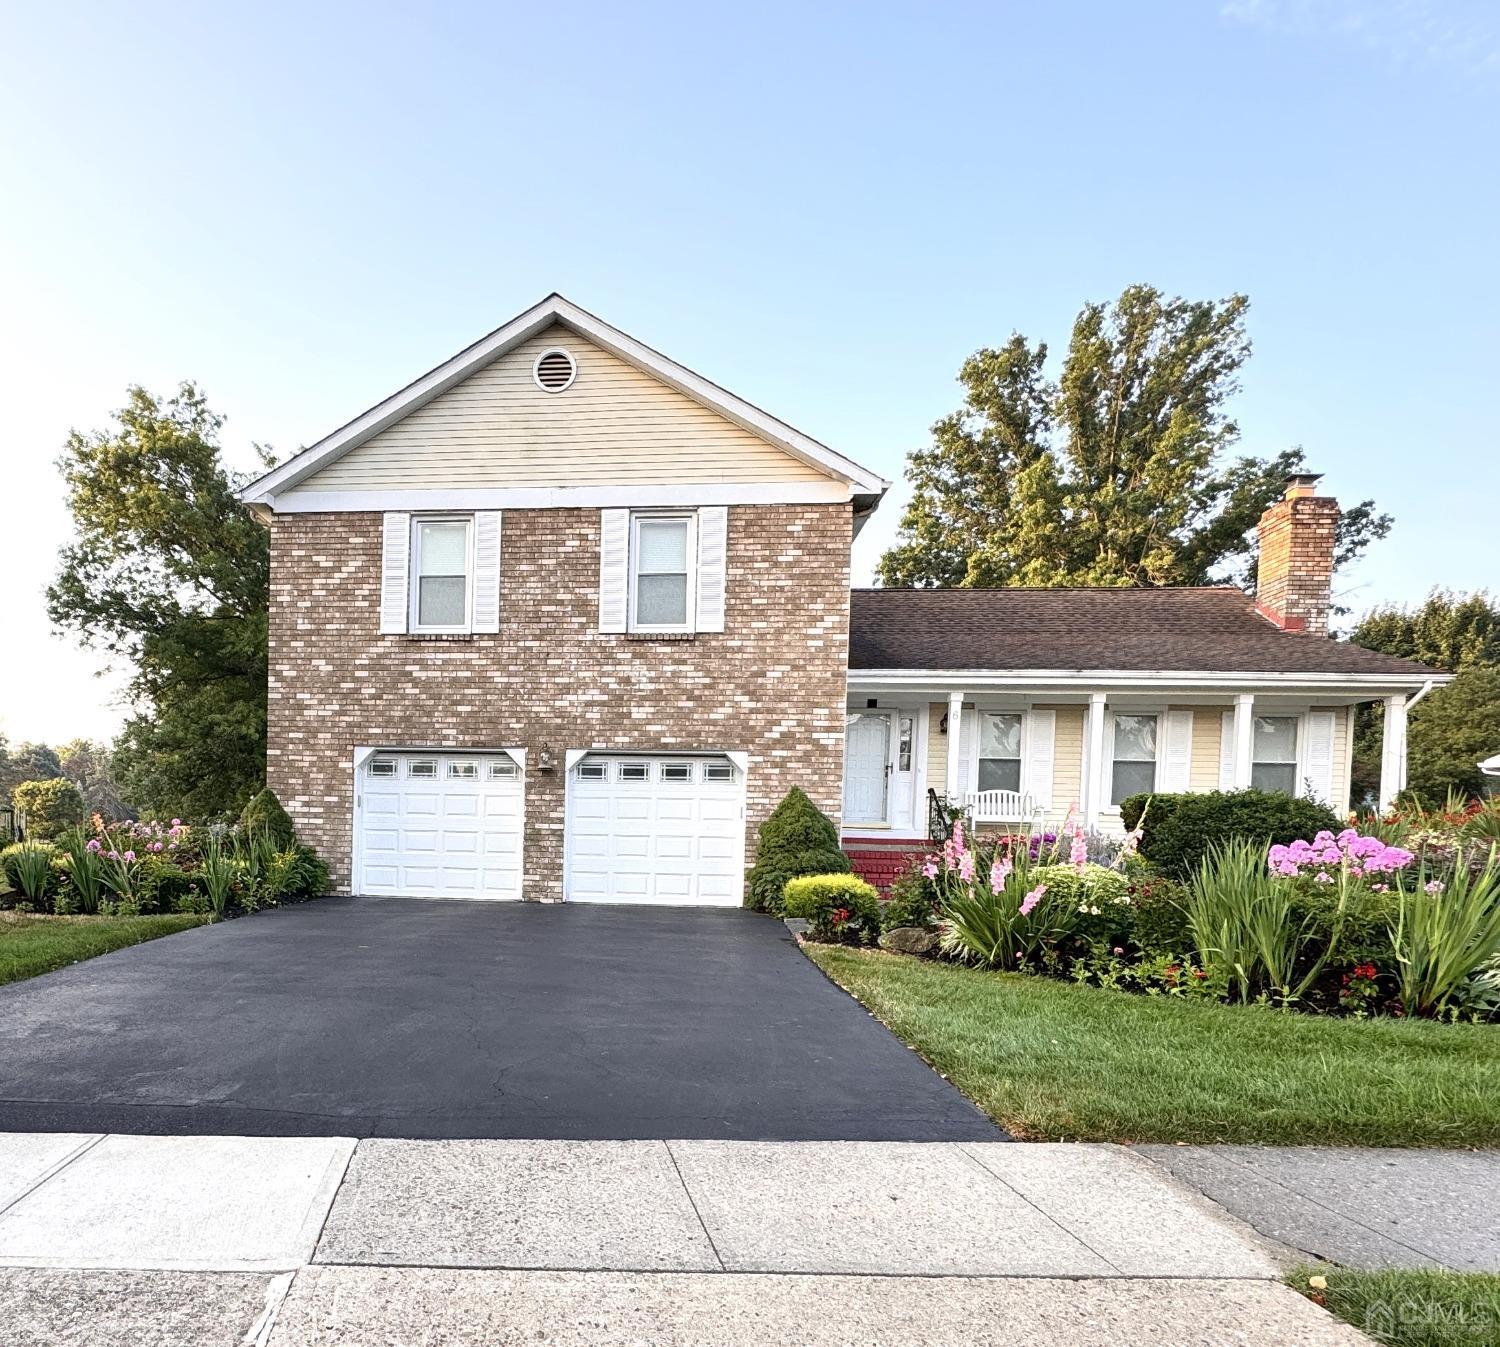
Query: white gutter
[1146,678]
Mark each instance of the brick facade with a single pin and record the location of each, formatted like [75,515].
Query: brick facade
[1294,575]
[772,684]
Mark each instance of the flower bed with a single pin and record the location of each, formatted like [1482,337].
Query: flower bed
[1400,917]
[130,868]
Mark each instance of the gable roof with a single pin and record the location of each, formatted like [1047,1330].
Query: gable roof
[1199,630]
[867,486]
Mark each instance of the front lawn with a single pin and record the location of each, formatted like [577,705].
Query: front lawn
[1052,1061]
[1409,1307]
[37,944]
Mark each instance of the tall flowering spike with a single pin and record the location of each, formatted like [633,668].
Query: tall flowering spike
[1000,872]
[966,866]
[1029,902]
[931,868]
[1078,852]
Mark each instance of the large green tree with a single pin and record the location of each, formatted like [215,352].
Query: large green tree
[25,762]
[1455,727]
[169,572]
[1118,473]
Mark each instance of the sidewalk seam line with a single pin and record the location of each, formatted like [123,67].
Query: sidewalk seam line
[963,1149]
[76,1153]
[333,1199]
[693,1203]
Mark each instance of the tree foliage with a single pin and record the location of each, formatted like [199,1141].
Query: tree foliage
[168,571]
[1116,474]
[1455,727]
[89,765]
[49,806]
[26,762]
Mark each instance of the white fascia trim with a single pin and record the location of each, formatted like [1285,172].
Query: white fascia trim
[682,496]
[556,309]
[1133,679]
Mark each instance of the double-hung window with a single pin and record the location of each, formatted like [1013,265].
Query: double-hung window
[1273,761]
[441,567]
[661,572]
[1000,751]
[1133,766]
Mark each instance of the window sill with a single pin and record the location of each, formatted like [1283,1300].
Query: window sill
[463,636]
[661,635]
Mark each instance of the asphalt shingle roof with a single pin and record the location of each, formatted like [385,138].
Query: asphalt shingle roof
[1209,630]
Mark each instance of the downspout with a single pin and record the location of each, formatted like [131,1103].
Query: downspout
[1426,688]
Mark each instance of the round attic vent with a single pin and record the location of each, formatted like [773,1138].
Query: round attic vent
[555,370]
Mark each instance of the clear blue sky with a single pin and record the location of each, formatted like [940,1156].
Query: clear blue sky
[823,207]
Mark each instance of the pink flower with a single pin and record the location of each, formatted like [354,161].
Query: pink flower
[129,856]
[1323,877]
[1029,902]
[1119,949]
[1433,886]
[177,823]
[999,873]
[966,866]
[930,869]
[156,846]
[94,844]
[1078,852]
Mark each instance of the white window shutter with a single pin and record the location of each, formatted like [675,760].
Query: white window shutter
[1316,757]
[1036,767]
[614,569]
[968,750]
[1177,752]
[713,551]
[395,564]
[1226,751]
[487,570]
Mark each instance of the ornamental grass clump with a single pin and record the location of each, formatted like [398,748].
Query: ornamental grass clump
[28,865]
[85,872]
[1446,934]
[1245,922]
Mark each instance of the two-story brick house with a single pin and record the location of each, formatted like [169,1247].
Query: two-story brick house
[562,618]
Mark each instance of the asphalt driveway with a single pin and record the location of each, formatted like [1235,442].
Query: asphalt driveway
[412,1018]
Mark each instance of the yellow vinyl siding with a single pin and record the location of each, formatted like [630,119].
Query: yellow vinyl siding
[1208,732]
[1067,765]
[614,426]
[937,748]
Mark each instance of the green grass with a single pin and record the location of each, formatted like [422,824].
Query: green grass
[1050,1060]
[1409,1308]
[36,944]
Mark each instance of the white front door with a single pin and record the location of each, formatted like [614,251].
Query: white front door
[439,825]
[867,761]
[655,829]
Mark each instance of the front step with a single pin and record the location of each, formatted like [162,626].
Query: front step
[878,861]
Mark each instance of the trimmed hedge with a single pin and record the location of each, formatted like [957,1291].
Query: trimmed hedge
[821,898]
[797,839]
[1180,828]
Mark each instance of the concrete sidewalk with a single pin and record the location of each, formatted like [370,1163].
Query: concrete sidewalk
[288,1242]
[1362,1208]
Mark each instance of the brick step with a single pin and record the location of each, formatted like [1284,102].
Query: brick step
[879,862]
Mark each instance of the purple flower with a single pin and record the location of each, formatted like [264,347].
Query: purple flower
[94,844]
[130,856]
[1433,886]
[177,823]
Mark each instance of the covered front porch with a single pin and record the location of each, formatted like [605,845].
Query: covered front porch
[1029,751]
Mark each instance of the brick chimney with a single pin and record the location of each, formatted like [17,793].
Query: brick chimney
[1294,578]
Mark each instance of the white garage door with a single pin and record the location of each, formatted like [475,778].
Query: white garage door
[656,830]
[429,825]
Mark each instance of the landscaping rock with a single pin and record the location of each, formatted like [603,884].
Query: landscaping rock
[909,940]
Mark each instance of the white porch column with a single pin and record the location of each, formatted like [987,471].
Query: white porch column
[1094,780]
[1393,751]
[1244,739]
[952,787]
